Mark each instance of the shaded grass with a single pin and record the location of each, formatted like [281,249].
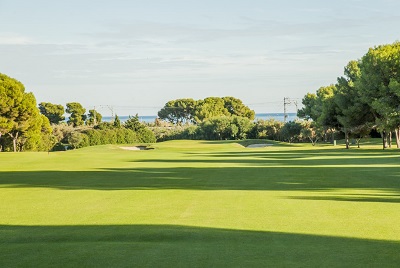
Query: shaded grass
[183,246]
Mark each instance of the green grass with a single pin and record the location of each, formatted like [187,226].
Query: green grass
[201,204]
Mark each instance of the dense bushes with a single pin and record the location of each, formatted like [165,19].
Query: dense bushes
[105,133]
[239,128]
[226,128]
[267,129]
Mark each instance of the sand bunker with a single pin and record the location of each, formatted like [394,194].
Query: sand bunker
[261,145]
[133,148]
[136,148]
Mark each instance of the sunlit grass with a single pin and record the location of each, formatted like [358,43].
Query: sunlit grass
[200,203]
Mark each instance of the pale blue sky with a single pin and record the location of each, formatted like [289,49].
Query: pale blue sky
[137,55]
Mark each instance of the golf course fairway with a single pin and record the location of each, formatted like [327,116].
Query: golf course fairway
[201,204]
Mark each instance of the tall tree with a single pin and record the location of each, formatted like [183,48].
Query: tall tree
[210,107]
[354,115]
[178,111]
[380,85]
[326,109]
[309,110]
[117,122]
[54,112]
[93,118]
[18,111]
[77,114]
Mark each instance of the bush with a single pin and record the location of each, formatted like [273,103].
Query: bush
[226,128]
[267,129]
[144,134]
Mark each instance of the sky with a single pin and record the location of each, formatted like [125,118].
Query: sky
[131,56]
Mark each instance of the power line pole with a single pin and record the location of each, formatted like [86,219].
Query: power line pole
[288,101]
[94,116]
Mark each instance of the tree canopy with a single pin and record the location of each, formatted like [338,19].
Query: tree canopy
[182,111]
[77,114]
[93,118]
[19,116]
[366,97]
[54,112]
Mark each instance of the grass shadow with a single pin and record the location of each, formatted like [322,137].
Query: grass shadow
[182,246]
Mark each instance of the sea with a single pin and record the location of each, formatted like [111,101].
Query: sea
[261,116]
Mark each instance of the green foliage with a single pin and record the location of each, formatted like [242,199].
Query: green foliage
[77,114]
[182,111]
[291,131]
[144,134]
[178,111]
[236,107]
[105,125]
[309,110]
[366,97]
[209,108]
[379,81]
[175,132]
[93,118]
[226,128]
[76,140]
[267,129]
[311,131]
[19,116]
[108,136]
[54,112]
[117,122]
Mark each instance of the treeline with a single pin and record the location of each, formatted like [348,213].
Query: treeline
[237,128]
[366,98]
[24,126]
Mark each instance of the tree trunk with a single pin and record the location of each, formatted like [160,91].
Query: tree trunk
[347,140]
[384,140]
[390,139]
[14,138]
[358,142]
[397,131]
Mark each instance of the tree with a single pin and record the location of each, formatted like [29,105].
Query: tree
[209,108]
[54,112]
[94,118]
[267,129]
[77,114]
[311,131]
[18,111]
[226,128]
[143,132]
[236,107]
[380,85]
[309,110]
[354,115]
[117,122]
[291,131]
[322,109]
[178,111]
